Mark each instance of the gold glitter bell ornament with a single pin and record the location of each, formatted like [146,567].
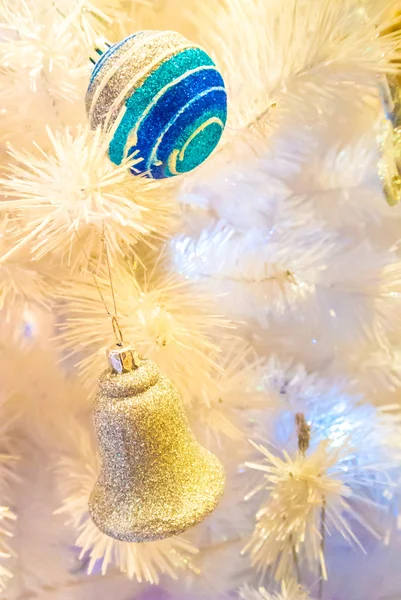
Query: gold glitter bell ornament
[156,480]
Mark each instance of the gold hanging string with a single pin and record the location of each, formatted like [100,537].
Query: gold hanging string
[322,575]
[106,251]
[296,561]
[303,432]
[114,320]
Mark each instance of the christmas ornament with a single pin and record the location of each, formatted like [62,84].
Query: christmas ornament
[161,95]
[389,139]
[156,480]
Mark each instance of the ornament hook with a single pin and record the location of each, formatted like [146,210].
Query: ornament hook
[117,331]
[101,46]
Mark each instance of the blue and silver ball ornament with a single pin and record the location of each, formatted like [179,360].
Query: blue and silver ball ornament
[160,95]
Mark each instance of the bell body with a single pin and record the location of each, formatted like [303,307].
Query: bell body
[161,95]
[156,480]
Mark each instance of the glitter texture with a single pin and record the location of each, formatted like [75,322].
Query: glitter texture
[164,97]
[156,480]
[389,140]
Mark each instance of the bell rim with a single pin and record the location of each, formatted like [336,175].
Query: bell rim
[163,528]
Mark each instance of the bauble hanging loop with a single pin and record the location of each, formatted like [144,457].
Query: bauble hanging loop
[161,95]
[156,480]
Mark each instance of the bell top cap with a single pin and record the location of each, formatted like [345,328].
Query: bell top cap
[123,358]
[128,374]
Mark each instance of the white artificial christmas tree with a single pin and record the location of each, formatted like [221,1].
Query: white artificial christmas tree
[265,284]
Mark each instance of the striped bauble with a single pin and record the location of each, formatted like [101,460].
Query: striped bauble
[157,93]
